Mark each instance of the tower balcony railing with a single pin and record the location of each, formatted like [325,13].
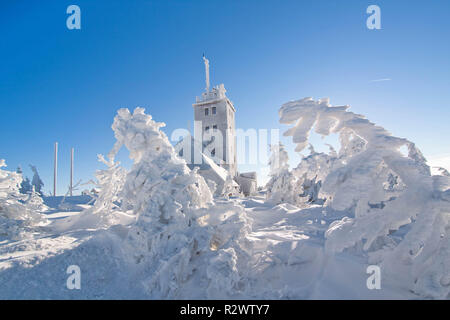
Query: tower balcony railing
[217,92]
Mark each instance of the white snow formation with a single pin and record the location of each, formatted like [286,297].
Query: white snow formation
[156,231]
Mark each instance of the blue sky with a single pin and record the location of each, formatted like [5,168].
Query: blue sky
[66,85]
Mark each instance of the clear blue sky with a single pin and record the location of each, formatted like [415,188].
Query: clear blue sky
[66,85]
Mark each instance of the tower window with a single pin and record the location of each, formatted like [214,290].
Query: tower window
[206,129]
[213,110]
[206,111]
[214,127]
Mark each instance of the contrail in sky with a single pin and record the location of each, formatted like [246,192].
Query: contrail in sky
[379,80]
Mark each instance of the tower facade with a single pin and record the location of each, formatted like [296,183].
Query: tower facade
[214,125]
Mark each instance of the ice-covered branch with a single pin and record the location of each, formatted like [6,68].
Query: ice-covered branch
[394,209]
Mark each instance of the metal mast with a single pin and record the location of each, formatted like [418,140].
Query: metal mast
[71,172]
[55,169]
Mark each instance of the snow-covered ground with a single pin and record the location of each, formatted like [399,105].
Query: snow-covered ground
[288,251]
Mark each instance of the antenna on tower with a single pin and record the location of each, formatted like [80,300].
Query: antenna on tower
[206,61]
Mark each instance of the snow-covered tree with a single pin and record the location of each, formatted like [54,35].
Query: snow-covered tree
[310,174]
[25,186]
[164,195]
[230,188]
[279,158]
[17,217]
[397,212]
[106,199]
[36,182]
[34,202]
[176,227]
[156,166]
[281,186]
[110,182]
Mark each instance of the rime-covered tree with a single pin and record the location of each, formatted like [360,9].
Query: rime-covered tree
[310,174]
[397,212]
[106,209]
[34,202]
[168,241]
[25,186]
[280,187]
[17,217]
[230,188]
[36,182]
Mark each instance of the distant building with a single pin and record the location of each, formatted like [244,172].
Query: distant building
[215,113]
[215,138]
[248,183]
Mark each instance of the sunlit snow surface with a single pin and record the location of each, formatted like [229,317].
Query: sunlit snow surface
[156,231]
[287,262]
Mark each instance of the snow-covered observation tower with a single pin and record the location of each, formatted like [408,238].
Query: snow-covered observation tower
[214,122]
[213,148]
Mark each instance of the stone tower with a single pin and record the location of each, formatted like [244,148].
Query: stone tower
[214,124]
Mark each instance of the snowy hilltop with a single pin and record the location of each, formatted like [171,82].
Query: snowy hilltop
[157,231]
